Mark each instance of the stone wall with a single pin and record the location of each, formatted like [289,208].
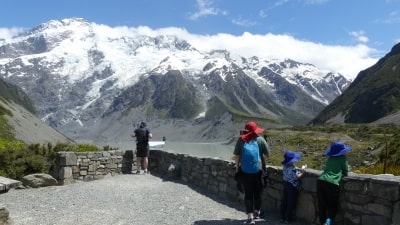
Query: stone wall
[87,166]
[5,185]
[365,199]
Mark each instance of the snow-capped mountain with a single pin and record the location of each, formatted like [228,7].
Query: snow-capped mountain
[83,77]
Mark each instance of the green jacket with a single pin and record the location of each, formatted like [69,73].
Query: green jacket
[335,168]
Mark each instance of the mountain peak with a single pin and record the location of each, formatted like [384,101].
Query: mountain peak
[58,26]
[76,73]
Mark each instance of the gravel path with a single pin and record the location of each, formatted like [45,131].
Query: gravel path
[122,199]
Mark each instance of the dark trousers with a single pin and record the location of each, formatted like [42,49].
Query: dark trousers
[328,200]
[288,203]
[252,191]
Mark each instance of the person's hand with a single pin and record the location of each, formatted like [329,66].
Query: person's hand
[237,174]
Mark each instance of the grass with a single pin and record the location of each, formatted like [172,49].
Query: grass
[368,142]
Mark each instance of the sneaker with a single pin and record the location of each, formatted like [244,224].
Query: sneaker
[138,172]
[249,221]
[258,214]
[146,172]
[328,222]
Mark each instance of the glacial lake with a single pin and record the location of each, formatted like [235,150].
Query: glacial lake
[211,150]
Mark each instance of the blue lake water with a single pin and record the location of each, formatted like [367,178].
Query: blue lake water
[212,150]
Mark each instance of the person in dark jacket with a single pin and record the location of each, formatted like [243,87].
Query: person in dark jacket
[142,135]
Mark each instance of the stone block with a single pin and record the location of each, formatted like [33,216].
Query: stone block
[359,199]
[396,213]
[65,173]
[66,159]
[306,207]
[374,220]
[385,190]
[379,210]
[309,184]
[355,186]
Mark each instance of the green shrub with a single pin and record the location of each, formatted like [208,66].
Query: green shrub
[86,148]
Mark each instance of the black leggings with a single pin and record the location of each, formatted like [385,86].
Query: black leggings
[288,203]
[252,191]
[328,200]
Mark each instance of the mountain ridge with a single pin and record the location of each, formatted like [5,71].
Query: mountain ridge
[372,96]
[21,123]
[74,71]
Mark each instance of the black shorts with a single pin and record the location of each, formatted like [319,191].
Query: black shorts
[142,149]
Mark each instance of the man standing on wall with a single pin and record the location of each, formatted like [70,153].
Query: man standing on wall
[142,135]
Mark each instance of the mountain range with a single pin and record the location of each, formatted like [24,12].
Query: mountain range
[94,84]
[373,97]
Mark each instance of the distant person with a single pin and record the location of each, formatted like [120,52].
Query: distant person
[291,185]
[328,190]
[247,153]
[142,135]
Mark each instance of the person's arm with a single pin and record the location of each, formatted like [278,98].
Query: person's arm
[133,134]
[237,153]
[345,170]
[237,160]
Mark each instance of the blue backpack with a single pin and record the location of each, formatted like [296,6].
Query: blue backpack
[250,157]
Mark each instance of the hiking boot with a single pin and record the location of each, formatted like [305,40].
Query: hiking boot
[249,221]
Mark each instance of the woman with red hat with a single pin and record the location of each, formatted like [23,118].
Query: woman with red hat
[249,150]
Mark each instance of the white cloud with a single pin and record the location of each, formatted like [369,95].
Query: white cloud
[7,33]
[393,18]
[347,60]
[315,2]
[205,8]
[244,22]
[262,14]
[359,35]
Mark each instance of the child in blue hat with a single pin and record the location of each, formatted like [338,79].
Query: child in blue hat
[291,185]
[328,191]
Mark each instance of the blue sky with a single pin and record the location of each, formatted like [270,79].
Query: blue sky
[356,32]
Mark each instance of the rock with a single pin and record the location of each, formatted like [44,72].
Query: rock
[38,180]
[174,170]
[4,215]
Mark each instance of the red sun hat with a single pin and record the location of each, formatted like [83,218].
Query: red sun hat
[253,129]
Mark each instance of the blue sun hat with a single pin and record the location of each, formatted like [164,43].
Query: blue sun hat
[291,157]
[337,149]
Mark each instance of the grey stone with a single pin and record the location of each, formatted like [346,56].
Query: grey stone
[4,215]
[38,180]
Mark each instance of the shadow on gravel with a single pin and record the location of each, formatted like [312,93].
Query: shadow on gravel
[218,222]
[238,205]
